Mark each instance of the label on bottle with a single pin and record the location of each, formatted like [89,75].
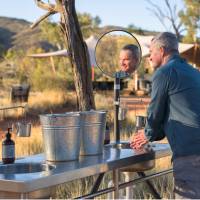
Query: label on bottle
[8,151]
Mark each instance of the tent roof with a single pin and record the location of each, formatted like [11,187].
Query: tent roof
[190,52]
[91,43]
[50,54]
[146,40]
[186,50]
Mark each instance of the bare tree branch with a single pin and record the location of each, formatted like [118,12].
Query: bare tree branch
[169,8]
[43,17]
[175,11]
[45,6]
[78,52]
[170,14]
[159,16]
[51,8]
[172,19]
[157,8]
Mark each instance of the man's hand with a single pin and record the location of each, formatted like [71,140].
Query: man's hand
[138,140]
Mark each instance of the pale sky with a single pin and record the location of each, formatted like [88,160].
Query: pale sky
[111,12]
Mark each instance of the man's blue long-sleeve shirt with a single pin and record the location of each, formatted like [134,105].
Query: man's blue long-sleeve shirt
[174,110]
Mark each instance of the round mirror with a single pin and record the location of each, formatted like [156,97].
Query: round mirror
[118,53]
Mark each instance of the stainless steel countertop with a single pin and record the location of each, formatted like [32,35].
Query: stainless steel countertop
[111,158]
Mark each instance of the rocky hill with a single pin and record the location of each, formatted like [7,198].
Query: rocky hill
[16,34]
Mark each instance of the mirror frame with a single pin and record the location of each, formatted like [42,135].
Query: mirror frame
[117,74]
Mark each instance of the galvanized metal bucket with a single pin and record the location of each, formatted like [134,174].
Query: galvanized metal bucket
[61,136]
[93,132]
[22,129]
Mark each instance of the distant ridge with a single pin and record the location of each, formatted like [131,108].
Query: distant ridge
[17,34]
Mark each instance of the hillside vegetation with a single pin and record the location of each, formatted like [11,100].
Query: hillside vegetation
[16,34]
[18,40]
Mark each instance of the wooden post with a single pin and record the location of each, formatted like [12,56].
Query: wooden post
[52,65]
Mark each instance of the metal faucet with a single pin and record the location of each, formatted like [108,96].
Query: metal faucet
[140,122]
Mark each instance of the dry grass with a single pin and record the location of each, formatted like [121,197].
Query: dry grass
[25,146]
[38,103]
[30,145]
[47,101]
[83,186]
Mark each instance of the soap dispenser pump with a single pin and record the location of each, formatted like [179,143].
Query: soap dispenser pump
[8,149]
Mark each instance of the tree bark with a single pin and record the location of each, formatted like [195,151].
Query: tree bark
[78,51]
[78,56]
[170,13]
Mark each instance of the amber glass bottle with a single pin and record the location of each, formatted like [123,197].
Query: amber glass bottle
[8,149]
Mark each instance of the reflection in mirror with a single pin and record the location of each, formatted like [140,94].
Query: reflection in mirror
[118,53]
[129,58]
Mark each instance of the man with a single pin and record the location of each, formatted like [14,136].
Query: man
[174,112]
[129,58]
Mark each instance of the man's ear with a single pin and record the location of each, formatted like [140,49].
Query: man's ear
[162,50]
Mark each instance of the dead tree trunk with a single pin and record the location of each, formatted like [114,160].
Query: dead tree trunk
[78,56]
[78,52]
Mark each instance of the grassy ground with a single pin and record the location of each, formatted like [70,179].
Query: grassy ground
[59,101]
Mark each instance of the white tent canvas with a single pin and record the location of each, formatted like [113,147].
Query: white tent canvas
[91,44]
[92,41]
[145,41]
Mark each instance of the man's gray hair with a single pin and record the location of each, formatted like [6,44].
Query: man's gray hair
[166,40]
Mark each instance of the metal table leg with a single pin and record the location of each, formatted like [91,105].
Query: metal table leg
[129,190]
[151,187]
[116,183]
[124,185]
[97,183]
[24,196]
